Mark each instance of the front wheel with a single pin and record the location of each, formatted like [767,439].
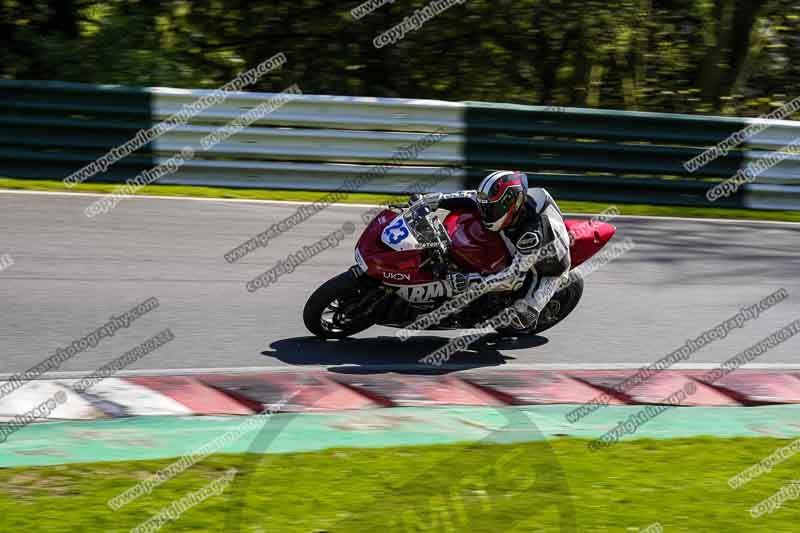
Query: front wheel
[336,309]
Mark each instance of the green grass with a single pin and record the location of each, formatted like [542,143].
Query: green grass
[681,483]
[368,198]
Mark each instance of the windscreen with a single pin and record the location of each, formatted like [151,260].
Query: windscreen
[426,227]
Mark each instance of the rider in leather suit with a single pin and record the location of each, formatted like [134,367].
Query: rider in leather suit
[531,225]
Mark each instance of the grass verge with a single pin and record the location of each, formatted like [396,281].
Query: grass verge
[569,206]
[681,484]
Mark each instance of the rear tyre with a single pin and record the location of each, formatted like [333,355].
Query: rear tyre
[333,311]
[562,304]
[558,308]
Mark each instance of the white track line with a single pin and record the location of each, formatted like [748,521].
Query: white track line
[294,202]
[789,367]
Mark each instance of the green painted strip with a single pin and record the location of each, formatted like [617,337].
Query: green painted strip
[161,437]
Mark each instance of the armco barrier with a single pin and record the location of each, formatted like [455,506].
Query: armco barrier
[48,130]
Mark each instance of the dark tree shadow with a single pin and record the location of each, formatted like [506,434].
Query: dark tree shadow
[389,354]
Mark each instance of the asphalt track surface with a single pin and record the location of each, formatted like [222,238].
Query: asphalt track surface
[71,273]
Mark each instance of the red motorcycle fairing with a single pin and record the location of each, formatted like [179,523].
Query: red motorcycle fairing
[588,237]
[385,264]
[474,248]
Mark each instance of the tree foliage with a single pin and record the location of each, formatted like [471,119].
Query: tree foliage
[696,56]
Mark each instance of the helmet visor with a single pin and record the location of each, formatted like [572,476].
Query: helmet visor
[491,212]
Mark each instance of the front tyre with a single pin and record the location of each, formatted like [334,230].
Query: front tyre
[335,310]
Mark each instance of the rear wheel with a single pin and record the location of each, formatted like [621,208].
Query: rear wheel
[560,305]
[336,309]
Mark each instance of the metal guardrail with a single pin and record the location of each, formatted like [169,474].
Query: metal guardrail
[50,129]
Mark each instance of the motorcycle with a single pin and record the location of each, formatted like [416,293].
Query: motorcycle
[403,259]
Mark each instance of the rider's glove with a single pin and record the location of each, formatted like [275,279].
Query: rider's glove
[414,198]
[526,316]
[431,199]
